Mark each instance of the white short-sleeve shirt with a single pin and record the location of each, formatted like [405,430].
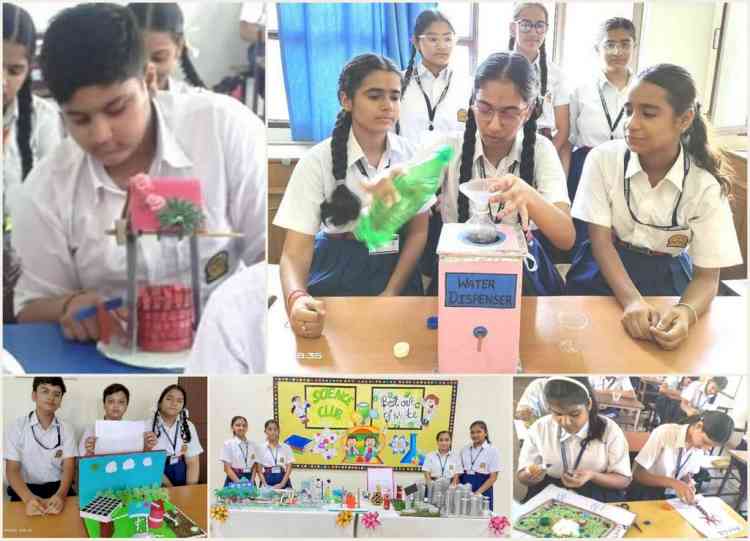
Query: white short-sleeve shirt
[46,133]
[549,176]
[41,452]
[695,394]
[484,459]
[450,115]
[270,457]
[546,438]
[442,466]
[588,121]
[703,210]
[170,438]
[557,93]
[68,202]
[312,183]
[610,383]
[664,447]
[239,454]
[231,337]
[533,398]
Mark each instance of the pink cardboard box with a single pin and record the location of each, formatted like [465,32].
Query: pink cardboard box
[479,301]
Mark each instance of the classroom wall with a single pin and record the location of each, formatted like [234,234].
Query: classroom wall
[478,398]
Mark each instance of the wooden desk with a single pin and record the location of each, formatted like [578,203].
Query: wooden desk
[741,456]
[736,153]
[636,440]
[190,499]
[666,522]
[360,333]
[605,399]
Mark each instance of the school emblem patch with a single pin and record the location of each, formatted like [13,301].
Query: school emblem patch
[281,460]
[217,266]
[58,453]
[482,466]
[677,241]
[462,115]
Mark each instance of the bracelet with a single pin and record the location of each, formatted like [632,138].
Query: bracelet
[67,302]
[686,305]
[293,296]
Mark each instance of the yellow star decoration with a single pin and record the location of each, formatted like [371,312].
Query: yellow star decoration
[220,513]
[344,518]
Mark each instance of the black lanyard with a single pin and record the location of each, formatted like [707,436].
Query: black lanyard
[680,465]
[578,458]
[274,457]
[59,439]
[430,109]
[612,127]
[172,442]
[474,458]
[483,175]
[702,393]
[686,166]
[444,464]
[609,382]
[245,453]
[363,169]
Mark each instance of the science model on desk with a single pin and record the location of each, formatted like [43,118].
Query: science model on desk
[163,308]
[120,495]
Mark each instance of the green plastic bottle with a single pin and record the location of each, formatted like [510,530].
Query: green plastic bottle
[378,224]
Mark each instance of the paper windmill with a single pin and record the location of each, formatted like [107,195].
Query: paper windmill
[220,513]
[371,520]
[344,518]
[498,524]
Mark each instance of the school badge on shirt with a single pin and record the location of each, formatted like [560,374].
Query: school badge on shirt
[677,240]
[58,453]
[217,266]
[462,115]
[483,466]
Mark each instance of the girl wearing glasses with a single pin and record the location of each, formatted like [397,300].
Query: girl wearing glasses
[597,107]
[658,211]
[500,143]
[528,30]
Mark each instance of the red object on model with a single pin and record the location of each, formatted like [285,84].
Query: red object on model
[386,502]
[165,318]
[156,516]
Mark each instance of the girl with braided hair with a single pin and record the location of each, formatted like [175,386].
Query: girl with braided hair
[330,186]
[500,143]
[163,26]
[658,212]
[177,436]
[528,30]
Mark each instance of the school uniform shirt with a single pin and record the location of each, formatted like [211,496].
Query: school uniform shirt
[178,86]
[533,398]
[603,383]
[442,466]
[549,176]
[703,212]
[169,438]
[69,201]
[270,457]
[695,394]
[25,442]
[448,93]
[312,183]
[484,459]
[231,336]
[46,133]
[557,94]
[545,439]
[663,448]
[588,121]
[239,454]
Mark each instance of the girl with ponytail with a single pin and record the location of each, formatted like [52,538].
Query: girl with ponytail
[575,447]
[528,31]
[163,27]
[177,436]
[658,212]
[673,454]
[327,191]
[500,144]
[480,462]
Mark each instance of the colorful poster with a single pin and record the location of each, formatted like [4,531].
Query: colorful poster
[355,423]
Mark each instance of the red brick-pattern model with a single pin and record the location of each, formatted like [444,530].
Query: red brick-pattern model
[165,318]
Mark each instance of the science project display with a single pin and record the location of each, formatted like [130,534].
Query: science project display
[356,423]
[120,495]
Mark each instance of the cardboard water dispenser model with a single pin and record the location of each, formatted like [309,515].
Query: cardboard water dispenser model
[481,271]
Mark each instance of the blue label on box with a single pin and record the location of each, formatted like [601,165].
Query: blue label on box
[480,290]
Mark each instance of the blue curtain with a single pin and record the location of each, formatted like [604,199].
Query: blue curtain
[316,42]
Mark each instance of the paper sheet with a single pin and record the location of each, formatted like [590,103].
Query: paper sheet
[724,525]
[380,476]
[118,437]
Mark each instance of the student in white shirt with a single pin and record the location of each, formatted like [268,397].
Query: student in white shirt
[532,403]
[574,447]
[39,452]
[163,27]
[528,31]
[699,397]
[326,193]
[275,459]
[500,144]
[650,200]
[672,456]
[443,463]
[177,436]
[231,336]
[480,462]
[612,385]
[239,455]
[116,130]
[667,403]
